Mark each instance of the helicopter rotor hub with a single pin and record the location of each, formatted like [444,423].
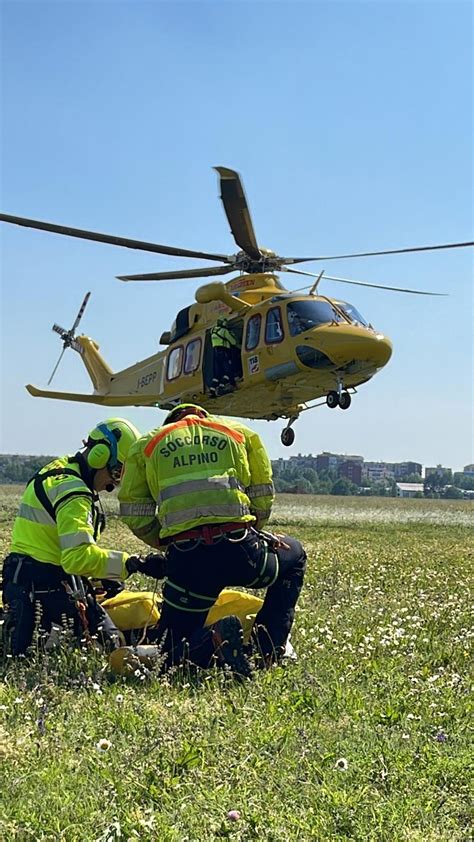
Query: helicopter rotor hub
[267,263]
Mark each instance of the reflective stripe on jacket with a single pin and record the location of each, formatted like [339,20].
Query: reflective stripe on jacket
[59,521]
[193,472]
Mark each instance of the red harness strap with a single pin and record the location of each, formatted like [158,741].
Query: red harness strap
[206,533]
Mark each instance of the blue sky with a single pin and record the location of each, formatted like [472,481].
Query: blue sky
[351,124]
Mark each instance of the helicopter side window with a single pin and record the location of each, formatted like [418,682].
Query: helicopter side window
[253,332]
[192,356]
[273,326]
[175,363]
[304,315]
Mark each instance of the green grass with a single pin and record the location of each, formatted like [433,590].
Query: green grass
[383,633]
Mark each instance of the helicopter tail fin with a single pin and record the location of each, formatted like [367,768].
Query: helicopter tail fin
[99,372]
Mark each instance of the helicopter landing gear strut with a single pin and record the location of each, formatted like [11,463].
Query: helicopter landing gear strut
[288,434]
[340,398]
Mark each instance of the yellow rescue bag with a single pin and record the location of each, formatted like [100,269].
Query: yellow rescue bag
[138,609]
[134,610]
[243,605]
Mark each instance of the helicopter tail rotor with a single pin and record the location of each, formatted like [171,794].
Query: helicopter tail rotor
[68,336]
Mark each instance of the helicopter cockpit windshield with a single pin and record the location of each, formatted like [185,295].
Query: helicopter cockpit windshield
[304,315]
[352,313]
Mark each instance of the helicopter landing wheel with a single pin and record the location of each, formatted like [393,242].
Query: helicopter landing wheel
[332,400]
[345,400]
[287,436]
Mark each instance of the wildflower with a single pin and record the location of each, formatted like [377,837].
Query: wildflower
[119,698]
[341,764]
[441,737]
[103,746]
[233,815]
[405,736]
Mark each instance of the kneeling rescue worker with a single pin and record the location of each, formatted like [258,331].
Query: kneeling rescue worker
[54,549]
[203,488]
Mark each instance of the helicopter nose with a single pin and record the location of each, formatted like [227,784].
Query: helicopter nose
[356,345]
[380,350]
[374,349]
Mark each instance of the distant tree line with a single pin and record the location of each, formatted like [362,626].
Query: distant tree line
[443,483]
[18,468]
[293,480]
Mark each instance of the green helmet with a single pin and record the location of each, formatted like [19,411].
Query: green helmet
[183,409]
[109,443]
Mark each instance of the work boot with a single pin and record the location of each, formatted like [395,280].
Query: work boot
[228,640]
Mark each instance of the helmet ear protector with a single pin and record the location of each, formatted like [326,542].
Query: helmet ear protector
[103,453]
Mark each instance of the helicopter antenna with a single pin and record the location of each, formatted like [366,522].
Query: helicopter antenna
[68,336]
[314,288]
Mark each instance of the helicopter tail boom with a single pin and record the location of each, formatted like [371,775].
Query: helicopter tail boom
[64,396]
[102,400]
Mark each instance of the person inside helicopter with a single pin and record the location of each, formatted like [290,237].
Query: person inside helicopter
[225,351]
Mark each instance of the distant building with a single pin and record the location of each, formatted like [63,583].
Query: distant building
[438,471]
[302,461]
[332,461]
[377,471]
[351,471]
[409,489]
[468,469]
[406,469]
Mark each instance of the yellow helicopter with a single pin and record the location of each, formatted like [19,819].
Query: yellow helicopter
[249,347]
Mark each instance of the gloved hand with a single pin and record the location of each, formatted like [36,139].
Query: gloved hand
[133,563]
[154,565]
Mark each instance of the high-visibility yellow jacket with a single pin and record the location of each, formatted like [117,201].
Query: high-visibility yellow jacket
[222,337]
[59,522]
[194,472]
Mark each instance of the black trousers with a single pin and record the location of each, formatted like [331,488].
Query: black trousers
[27,584]
[196,574]
[223,370]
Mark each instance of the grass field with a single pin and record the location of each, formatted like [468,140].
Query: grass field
[365,737]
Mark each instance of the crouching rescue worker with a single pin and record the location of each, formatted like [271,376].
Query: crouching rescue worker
[203,488]
[54,546]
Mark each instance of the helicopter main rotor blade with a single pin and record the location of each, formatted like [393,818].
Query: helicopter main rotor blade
[81,312]
[363,284]
[57,364]
[383,286]
[179,275]
[374,253]
[237,212]
[95,236]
